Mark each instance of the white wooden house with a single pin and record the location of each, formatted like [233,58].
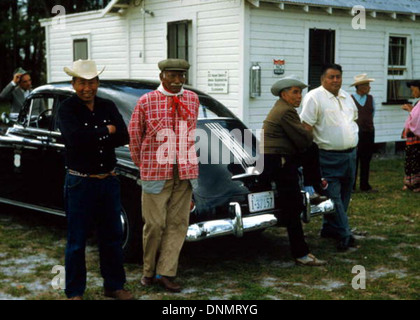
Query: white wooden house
[230,42]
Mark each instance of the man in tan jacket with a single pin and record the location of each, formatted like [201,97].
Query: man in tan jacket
[285,140]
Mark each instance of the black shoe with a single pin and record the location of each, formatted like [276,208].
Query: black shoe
[368,189]
[346,243]
[329,234]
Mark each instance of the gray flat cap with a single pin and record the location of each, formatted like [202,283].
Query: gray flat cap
[286,82]
[173,65]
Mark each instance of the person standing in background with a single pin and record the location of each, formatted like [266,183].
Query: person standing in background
[412,135]
[366,111]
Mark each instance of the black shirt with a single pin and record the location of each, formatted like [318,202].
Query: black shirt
[90,149]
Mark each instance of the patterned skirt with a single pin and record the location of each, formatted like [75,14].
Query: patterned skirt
[412,163]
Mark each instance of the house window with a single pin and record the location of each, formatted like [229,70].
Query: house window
[398,69]
[80,49]
[397,56]
[179,40]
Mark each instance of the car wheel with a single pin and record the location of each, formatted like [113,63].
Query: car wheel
[131,222]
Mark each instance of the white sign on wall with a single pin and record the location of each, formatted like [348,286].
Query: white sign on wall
[217,81]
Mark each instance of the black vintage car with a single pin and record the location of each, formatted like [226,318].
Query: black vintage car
[232,196]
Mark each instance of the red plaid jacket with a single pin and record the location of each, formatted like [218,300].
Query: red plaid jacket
[162,133]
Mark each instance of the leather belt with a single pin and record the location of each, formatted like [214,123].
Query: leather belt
[96,176]
[339,151]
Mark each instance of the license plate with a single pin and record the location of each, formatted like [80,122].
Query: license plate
[261,201]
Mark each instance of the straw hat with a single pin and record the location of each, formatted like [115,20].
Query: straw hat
[286,82]
[85,69]
[361,79]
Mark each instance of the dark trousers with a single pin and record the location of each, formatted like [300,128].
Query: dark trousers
[364,156]
[91,201]
[309,159]
[291,203]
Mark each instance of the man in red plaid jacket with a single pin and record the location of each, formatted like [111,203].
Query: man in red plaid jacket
[162,139]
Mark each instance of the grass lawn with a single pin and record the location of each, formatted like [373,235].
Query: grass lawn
[258,266]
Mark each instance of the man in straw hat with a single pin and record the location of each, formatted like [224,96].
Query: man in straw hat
[92,128]
[366,111]
[286,144]
[161,128]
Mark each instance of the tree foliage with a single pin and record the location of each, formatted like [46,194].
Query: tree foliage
[22,39]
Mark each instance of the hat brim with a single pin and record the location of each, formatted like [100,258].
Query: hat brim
[87,76]
[175,69]
[414,83]
[361,82]
[286,83]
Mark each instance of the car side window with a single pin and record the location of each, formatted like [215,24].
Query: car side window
[40,112]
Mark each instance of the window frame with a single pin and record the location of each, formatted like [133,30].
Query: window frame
[397,79]
[78,36]
[172,52]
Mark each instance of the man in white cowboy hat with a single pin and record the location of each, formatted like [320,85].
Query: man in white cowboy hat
[92,128]
[366,111]
[286,144]
[166,181]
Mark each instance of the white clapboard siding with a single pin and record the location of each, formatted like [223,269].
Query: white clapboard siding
[278,34]
[230,35]
[107,44]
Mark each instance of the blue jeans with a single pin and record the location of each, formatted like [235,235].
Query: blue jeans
[339,170]
[92,201]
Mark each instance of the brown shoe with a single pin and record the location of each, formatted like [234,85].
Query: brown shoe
[119,294]
[76,298]
[146,281]
[310,260]
[168,284]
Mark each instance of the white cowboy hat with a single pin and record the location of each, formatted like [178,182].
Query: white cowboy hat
[85,69]
[361,79]
[286,82]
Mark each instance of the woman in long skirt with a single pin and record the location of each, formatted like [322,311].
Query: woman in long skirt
[412,135]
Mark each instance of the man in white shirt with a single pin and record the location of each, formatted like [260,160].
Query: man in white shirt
[330,113]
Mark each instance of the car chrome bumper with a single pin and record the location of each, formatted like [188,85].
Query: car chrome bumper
[236,226]
[325,207]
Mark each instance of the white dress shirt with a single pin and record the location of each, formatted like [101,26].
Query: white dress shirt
[332,118]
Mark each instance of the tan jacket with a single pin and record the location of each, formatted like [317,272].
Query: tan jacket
[283,131]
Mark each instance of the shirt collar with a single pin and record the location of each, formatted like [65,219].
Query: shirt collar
[165,92]
[330,95]
[358,96]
